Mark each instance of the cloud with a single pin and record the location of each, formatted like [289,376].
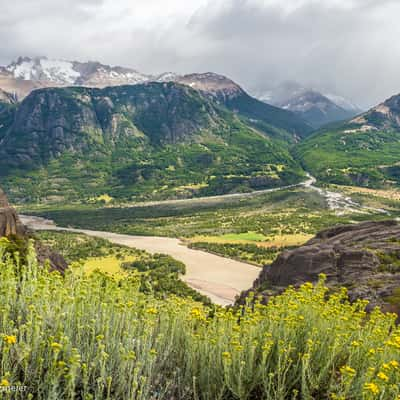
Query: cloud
[343,46]
[348,47]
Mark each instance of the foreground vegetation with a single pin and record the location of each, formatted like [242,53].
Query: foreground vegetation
[83,336]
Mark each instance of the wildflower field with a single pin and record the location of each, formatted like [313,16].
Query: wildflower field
[83,336]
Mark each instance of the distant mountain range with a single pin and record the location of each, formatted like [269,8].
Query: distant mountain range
[72,131]
[316,108]
[26,74]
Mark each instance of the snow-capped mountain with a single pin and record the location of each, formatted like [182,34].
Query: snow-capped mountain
[38,69]
[312,105]
[62,72]
[167,77]
[215,85]
[26,74]
[6,97]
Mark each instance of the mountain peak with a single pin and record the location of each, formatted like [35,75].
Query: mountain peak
[309,103]
[211,84]
[383,116]
[63,72]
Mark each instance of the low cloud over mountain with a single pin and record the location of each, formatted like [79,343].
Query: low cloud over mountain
[340,46]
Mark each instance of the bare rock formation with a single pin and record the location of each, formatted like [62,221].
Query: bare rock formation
[10,223]
[364,257]
[11,226]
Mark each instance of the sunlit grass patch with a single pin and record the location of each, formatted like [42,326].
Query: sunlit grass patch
[109,264]
[244,237]
[286,240]
[391,194]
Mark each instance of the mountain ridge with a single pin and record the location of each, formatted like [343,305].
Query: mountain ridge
[27,74]
[153,140]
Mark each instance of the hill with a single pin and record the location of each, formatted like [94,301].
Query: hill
[363,151]
[154,140]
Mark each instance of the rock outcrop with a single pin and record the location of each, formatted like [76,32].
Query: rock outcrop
[364,257]
[10,223]
[12,227]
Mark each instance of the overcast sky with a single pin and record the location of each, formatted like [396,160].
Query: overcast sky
[350,47]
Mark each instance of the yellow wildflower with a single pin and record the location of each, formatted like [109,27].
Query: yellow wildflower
[10,339]
[4,383]
[383,376]
[152,311]
[153,352]
[372,387]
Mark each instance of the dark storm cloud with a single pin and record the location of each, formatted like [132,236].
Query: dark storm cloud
[345,46]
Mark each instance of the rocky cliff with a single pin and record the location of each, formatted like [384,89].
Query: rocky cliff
[364,257]
[10,223]
[51,122]
[12,227]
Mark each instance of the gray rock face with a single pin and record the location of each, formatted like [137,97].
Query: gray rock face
[365,258]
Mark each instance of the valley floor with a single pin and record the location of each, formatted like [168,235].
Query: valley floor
[219,278]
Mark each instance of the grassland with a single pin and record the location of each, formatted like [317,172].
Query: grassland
[109,265]
[83,336]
